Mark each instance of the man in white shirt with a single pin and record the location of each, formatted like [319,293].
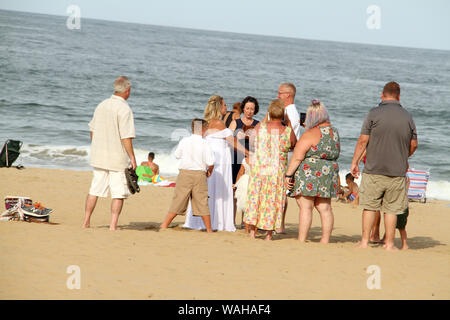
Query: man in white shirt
[112,132]
[196,157]
[286,93]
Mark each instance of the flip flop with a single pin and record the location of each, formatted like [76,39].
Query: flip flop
[132,180]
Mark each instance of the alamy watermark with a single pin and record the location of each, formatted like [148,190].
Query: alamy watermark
[74,280]
[74,19]
[374,281]
[374,20]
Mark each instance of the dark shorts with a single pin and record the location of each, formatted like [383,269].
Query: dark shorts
[402,219]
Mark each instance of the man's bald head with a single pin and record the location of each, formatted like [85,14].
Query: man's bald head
[287,93]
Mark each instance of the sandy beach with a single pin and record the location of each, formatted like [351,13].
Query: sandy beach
[139,262]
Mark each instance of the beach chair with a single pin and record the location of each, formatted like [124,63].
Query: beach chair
[418,180]
[10,152]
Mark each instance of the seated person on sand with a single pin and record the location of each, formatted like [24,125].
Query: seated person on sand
[352,193]
[341,190]
[148,169]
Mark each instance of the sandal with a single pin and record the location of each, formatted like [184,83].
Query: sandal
[132,180]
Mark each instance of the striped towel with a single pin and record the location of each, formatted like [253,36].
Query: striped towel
[418,181]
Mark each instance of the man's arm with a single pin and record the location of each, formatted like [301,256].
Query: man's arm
[359,149]
[293,139]
[412,147]
[128,145]
[209,171]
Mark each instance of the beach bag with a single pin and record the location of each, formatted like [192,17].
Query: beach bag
[10,152]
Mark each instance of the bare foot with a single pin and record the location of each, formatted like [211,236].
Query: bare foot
[324,241]
[391,248]
[86,225]
[405,247]
[362,245]
[280,231]
[252,234]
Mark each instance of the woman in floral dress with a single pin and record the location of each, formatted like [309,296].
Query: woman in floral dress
[266,188]
[312,174]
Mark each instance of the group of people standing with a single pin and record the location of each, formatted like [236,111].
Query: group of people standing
[231,156]
[261,151]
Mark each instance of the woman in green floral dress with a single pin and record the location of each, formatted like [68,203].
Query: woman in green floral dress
[312,174]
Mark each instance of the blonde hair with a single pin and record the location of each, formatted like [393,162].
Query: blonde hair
[316,113]
[276,109]
[121,84]
[212,109]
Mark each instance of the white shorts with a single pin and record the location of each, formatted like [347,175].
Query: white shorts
[107,180]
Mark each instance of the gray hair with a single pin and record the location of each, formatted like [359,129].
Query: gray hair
[316,113]
[121,84]
[291,87]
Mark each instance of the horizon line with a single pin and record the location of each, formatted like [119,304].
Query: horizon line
[240,33]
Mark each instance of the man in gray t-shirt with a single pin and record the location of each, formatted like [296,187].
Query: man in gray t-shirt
[389,137]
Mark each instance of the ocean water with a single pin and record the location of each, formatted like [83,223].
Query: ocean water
[52,78]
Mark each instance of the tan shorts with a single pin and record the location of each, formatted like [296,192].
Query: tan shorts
[387,194]
[107,180]
[191,184]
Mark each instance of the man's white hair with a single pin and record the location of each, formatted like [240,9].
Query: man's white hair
[121,84]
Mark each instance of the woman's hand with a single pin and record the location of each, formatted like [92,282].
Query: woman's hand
[240,135]
[290,182]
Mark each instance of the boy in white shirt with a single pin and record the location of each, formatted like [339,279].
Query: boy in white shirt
[196,158]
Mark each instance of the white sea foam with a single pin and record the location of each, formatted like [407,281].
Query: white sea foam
[168,165]
[71,157]
[439,190]
[77,157]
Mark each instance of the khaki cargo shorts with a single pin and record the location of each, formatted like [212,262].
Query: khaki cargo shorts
[190,185]
[387,194]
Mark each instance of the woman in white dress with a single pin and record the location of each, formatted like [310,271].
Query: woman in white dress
[220,184]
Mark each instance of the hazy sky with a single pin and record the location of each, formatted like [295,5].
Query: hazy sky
[412,23]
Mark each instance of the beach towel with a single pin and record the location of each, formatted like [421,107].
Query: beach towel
[418,180]
[141,170]
[157,181]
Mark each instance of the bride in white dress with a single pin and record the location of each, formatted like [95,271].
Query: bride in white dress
[220,183]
